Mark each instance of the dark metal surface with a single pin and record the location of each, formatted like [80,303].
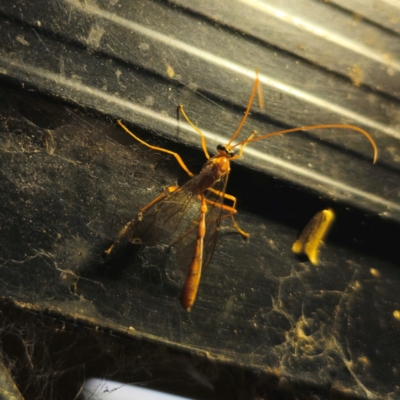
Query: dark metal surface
[116,57]
[70,183]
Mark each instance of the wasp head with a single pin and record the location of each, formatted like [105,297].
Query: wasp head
[225,150]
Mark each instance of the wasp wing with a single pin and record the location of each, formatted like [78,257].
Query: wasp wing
[184,246]
[173,219]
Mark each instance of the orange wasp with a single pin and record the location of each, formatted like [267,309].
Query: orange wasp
[187,218]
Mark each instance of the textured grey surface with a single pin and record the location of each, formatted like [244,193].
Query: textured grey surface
[318,64]
[69,184]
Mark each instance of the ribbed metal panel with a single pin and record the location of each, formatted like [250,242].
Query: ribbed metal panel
[260,308]
[318,63]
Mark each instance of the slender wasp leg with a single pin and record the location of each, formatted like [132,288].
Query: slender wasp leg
[233,212]
[176,155]
[123,231]
[231,209]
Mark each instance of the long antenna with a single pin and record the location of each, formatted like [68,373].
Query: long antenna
[313,127]
[246,114]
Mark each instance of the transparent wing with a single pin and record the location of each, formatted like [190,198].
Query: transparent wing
[184,245]
[173,220]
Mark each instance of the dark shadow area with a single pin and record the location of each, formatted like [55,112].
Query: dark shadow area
[66,352]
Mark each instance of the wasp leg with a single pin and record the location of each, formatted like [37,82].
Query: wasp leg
[230,209]
[176,155]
